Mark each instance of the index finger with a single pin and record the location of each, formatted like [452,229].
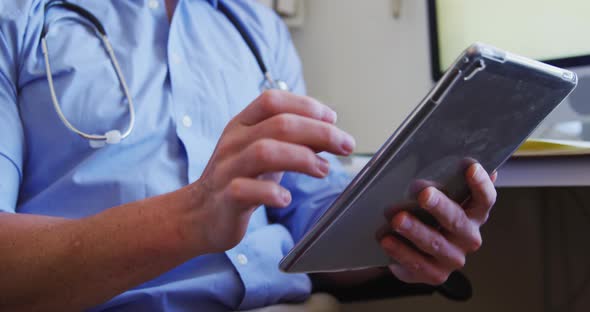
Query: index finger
[275,102]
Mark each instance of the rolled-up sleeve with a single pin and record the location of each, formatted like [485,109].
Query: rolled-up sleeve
[311,196]
[11,130]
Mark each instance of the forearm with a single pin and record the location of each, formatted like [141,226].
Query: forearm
[55,264]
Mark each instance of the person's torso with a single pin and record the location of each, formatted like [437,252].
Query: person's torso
[187,79]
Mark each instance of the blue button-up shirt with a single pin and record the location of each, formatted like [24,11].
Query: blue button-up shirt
[188,77]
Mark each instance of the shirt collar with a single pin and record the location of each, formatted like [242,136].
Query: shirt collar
[213,3]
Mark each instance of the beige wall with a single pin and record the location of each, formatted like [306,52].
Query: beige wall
[372,68]
[360,60]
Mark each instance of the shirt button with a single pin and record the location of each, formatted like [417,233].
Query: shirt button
[242,259]
[187,121]
[153,4]
[176,59]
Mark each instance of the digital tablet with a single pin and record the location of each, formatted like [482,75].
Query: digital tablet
[483,108]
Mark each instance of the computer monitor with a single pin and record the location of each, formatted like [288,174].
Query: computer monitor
[552,31]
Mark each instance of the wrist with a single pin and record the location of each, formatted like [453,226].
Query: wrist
[188,222]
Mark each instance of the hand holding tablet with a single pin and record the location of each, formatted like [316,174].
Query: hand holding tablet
[440,250]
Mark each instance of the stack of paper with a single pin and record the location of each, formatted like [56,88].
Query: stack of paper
[548,147]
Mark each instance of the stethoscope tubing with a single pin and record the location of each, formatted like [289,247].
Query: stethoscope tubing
[115,136]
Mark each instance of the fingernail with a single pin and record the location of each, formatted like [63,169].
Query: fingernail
[477,172]
[286,197]
[348,144]
[323,166]
[405,225]
[330,116]
[432,200]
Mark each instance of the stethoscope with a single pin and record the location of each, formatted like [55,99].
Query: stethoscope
[115,136]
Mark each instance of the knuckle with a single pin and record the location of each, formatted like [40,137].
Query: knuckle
[313,106]
[435,245]
[415,268]
[329,135]
[235,190]
[458,224]
[476,242]
[490,200]
[458,262]
[309,158]
[283,125]
[270,100]
[263,151]
[224,148]
[439,279]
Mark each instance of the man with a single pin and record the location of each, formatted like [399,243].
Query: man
[167,219]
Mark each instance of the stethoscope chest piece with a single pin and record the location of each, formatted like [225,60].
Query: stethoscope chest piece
[281,85]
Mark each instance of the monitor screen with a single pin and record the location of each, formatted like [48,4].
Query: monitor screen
[547,30]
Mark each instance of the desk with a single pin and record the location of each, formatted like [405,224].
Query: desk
[557,171]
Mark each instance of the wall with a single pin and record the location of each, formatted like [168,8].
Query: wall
[373,69]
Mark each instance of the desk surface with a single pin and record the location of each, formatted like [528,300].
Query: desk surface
[559,171]
[545,172]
